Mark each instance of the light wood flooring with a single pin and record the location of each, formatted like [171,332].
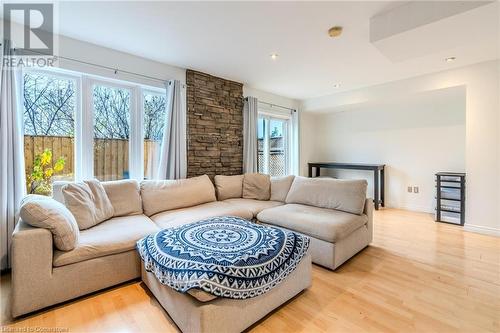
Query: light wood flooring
[416,276]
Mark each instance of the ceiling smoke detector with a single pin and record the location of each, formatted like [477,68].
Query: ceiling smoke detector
[335,31]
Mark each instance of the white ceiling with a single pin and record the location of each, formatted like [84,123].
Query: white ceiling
[235,39]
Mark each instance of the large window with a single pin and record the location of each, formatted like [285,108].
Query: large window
[50,104]
[155,119]
[79,127]
[273,143]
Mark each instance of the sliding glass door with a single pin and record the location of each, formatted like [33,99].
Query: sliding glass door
[273,139]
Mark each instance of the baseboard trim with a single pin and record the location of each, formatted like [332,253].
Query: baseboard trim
[413,208]
[468,227]
[482,230]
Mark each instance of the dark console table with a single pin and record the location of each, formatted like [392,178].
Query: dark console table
[378,175]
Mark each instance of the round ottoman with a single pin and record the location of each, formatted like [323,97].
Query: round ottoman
[223,274]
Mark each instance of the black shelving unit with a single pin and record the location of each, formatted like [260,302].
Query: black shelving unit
[450,197]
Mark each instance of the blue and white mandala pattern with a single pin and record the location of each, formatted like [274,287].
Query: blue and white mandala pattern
[226,256]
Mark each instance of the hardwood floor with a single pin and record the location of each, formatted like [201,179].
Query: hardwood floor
[417,276]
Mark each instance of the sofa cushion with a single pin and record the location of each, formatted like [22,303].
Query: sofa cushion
[255,206]
[125,196]
[116,235]
[182,216]
[322,223]
[280,187]
[44,212]
[228,186]
[256,186]
[340,194]
[88,202]
[162,195]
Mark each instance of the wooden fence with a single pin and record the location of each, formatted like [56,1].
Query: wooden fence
[111,156]
[60,146]
[111,159]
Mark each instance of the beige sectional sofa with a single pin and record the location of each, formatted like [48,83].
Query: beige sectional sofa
[334,213]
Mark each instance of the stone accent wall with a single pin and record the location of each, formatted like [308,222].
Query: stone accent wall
[214,125]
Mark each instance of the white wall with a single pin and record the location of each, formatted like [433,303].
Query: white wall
[271,98]
[91,53]
[309,140]
[415,136]
[482,124]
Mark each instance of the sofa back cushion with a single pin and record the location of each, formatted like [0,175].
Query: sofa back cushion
[44,212]
[256,186]
[340,194]
[162,195]
[280,187]
[57,186]
[229,187]
[88,202]
[125,196]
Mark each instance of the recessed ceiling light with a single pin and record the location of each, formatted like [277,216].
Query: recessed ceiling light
[335,31]
[274,56]
[450,59]
[336,85]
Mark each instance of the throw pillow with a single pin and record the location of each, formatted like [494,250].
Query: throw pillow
[44,212]
[256,186]
[88,202]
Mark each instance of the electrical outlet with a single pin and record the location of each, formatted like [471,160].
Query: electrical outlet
[410,189]
[415,189]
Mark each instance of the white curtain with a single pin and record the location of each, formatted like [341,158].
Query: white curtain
[173,156]
[12,182]
[250,119]
[153,160]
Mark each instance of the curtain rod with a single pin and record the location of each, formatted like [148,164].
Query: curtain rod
[275,105]
[115,70]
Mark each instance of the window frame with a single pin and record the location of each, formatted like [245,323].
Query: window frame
[84,118]
[89,82]
[78,169]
